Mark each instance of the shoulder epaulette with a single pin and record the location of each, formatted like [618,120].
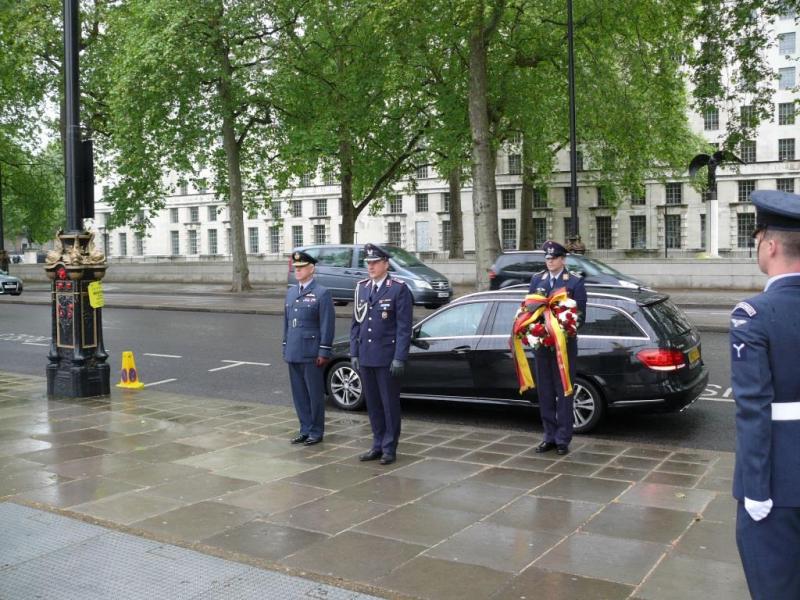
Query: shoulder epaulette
[363,281]
[397,280]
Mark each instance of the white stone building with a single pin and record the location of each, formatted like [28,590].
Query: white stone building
[670,218]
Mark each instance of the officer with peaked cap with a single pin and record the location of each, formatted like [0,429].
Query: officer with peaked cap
[555,408]
[380,337]
[765,334]
[308,327]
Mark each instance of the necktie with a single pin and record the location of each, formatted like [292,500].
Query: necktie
[373,291]
[301,289]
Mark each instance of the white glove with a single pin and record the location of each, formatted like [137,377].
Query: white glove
[757,509]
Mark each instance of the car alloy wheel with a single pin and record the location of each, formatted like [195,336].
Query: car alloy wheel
[588,406]
[344,387]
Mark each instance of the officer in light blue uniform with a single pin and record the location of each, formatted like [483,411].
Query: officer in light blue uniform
[555,409]
[765,336]
[380,337]
[308,327]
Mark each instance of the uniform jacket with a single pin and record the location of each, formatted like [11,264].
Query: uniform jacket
[308,323]
[576,289]
[764,334]
[385,333]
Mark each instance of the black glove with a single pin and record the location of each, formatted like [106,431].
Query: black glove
[398,368]
[354,362]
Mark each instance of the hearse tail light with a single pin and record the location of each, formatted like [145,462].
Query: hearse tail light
[662,359]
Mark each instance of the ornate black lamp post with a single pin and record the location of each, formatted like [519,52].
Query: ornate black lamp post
[712,208]
[77,367]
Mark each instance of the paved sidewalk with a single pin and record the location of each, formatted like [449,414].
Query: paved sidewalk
[464,513]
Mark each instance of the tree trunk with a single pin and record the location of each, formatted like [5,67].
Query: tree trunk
[346,177]
[456,248]
[241,272]
[526,203]
[484,192]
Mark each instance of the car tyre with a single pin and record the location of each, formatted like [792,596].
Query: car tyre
[15,293]
[343,385]
[588,406]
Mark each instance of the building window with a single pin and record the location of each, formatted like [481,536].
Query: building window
[747,115]
[212,213]
[638,198]
[567,197]
[330,179]
[746,186]
[785,185]
[638,232]
[275,239]
[567,227]
[173,215]
[786,44]
[447,231]
[711,119]
[175,242]
[123,244]
[319,234]
[212,241]
[297,236]
[786,113]
[747,151]
[395,205]
[183,188]
[786,149]
[422,172]
[201,186]
[672,230]
[394,234]
[421,202]
[539,197]
[509,199]
[703,232]
[252,239]
[603,225]
[539,232]
[275,209]
[194,214]
[138,241]
[297,208]
[508,229]
[674,193]
[514,164]
[579,160]
[322,207]
[602,198]
[446,202]
[305,180]
[228,241]
[789,15]
[745,224]
[786,79]
[192,241]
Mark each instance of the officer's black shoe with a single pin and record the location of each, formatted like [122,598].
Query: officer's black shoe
[387,459]
[311,441]
[299,439]
[371,455]
[562,449]
[545,447]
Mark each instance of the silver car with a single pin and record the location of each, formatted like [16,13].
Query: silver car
[10,284]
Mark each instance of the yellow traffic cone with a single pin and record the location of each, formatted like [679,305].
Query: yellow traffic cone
[129,375]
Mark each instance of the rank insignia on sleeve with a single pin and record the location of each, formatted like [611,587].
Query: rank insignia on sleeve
[739,351]
[738,322]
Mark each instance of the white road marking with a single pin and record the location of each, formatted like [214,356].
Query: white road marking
[162,355]
[34,344]
[713,399]
[159,382]
[238,363]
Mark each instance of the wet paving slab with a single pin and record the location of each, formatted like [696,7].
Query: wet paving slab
[465,512]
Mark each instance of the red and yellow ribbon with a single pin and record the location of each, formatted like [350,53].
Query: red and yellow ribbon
[537,306]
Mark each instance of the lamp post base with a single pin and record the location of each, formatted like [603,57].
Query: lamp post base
[71,381]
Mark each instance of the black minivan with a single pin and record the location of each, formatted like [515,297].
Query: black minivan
[341,266]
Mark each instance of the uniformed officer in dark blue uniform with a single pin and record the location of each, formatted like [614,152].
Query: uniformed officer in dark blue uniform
[308,327]
[555,408]
[380,337]
[765,336]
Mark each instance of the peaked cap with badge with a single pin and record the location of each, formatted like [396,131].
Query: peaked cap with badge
[373,252]
[553,249]
[302,259]
[776,210]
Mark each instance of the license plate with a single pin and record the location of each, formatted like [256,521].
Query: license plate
[694,355]
[443,294]
[10,285]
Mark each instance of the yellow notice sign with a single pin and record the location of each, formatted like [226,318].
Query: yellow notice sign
[96,299]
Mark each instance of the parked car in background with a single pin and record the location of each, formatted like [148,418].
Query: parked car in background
[636,350]
[10,284]
[518,266]
[341,266]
